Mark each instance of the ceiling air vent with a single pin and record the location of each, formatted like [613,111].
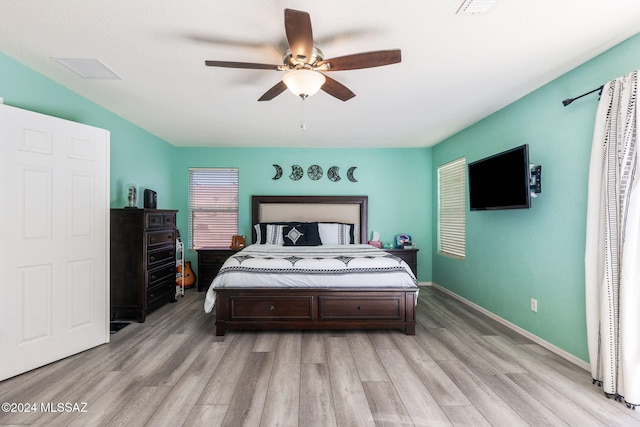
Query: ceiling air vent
[89,68]
[475,6]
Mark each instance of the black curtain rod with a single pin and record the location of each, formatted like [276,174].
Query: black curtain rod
[570,100]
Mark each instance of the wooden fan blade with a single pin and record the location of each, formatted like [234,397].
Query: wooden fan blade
[362,60]
[336,89]
[249,65]
[274,91]
[297,25]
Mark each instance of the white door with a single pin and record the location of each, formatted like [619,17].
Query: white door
[54,234]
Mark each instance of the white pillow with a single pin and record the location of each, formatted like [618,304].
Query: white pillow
[334,233]
[274,234]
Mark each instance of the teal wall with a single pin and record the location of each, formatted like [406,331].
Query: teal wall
[397,181]
[137,156]
[513,256]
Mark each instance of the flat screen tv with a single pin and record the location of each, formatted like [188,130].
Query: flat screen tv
[500,181]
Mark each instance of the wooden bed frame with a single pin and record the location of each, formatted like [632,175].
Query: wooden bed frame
[314,308]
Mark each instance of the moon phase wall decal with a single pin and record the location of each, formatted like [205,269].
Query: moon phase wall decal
[296,173]
[315,173]
[350,174]
[333,174]
[278,174]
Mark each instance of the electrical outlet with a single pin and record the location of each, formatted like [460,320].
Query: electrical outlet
[534,305]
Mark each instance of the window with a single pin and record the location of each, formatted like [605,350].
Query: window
[213,207]
[452,209]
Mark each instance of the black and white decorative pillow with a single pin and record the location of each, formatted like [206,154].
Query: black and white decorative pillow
[302,234]
[274,234]
[261,231]
[260,235]
[293,234]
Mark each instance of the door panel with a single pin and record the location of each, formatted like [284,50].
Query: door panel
[53,239]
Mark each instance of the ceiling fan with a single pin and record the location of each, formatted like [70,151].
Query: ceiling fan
[305,65]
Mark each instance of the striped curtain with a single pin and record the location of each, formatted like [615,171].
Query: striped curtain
[612,253]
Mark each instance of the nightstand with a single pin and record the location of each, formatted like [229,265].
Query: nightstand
[210,261]
[410,256]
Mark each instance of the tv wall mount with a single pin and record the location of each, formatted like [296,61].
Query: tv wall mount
[535,179]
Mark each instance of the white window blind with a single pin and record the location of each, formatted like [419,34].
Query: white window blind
[452,208]
[213,207]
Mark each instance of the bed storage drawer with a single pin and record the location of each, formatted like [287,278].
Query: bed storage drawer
[270,308]
[254,308]
[357,307]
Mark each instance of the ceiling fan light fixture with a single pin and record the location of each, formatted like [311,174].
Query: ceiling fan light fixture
[304,82]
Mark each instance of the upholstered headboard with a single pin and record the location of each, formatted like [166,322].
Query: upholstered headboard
[345,209]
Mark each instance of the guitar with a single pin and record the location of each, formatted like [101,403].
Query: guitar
[189,276]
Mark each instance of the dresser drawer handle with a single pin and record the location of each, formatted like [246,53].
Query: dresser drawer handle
[152,295]
[360,307]
[152,258]
[271,308]
[153,277]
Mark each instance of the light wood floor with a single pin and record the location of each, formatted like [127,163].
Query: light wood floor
[460,368]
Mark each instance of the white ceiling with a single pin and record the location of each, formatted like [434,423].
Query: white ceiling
[455,69]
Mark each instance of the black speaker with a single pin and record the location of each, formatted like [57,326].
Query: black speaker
[150,199]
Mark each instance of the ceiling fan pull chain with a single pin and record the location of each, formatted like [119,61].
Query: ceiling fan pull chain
[303,125]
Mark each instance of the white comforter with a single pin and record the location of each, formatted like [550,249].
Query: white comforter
[326,266]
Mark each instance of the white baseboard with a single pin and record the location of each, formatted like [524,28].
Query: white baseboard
[560,352]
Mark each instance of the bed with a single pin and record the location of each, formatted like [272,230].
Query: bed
[342,283]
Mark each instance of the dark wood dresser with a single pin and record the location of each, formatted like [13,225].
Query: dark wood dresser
[209,262]
[410,256]
[143,261]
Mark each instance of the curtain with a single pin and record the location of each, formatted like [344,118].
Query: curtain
[612,253]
